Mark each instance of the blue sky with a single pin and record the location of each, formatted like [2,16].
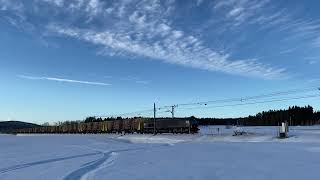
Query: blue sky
[68,59]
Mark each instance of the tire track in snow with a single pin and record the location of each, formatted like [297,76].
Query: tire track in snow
[107,163]
[85,171]
[47,161]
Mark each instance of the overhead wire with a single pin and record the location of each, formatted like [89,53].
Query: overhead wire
[279,93]
[243,100]
[256,102]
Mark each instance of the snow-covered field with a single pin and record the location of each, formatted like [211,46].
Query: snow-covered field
[211,154]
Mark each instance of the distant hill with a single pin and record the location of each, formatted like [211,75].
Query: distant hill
[8,126]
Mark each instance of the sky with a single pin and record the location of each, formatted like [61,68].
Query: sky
[69,59]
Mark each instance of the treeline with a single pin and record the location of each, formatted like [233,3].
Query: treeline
[294,115]
[99,119]
[86,120]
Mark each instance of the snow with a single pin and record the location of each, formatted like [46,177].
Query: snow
[210,154]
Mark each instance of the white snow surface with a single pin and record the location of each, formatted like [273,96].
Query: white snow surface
[210,154]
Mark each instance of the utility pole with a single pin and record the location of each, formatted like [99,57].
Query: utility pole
[154,118]
[172,111]
[290,123]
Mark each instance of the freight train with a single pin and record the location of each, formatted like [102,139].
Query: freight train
[134,125]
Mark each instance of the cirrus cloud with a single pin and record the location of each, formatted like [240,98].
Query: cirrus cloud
[146,29]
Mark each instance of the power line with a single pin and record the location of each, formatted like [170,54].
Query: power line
[279,93]
[229,100]
[255,102]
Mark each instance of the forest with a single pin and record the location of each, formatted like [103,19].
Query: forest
[295,116]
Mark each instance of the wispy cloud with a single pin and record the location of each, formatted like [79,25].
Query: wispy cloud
[142,82]
[312,59]
[135,79]
[63,80]
[132,79]
[241,10]
[143,28]
[147,28]
[315,80]
[313,62]
[173,47]
[6,5]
